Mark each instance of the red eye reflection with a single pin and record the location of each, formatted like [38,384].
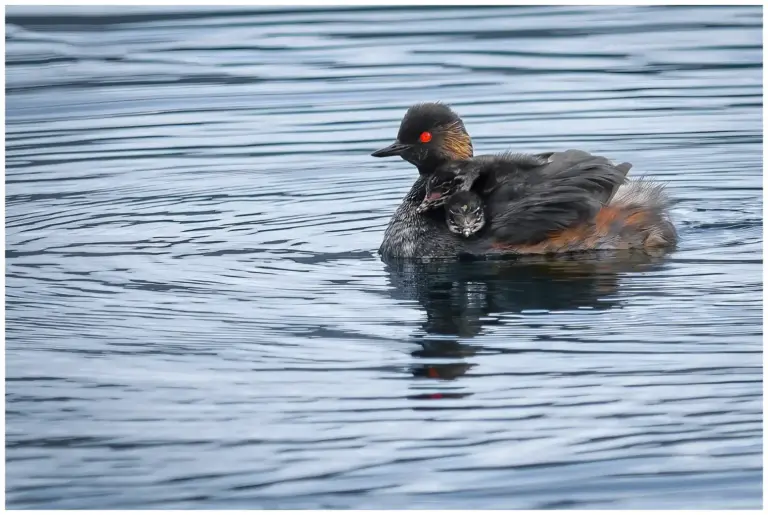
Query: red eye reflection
[425,137]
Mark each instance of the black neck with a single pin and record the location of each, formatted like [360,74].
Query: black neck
[428,167]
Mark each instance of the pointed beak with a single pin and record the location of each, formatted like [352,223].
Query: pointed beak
[395,149]
[432,201]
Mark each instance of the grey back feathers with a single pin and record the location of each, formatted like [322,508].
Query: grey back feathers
[524,160]
[529,219]
[570,188]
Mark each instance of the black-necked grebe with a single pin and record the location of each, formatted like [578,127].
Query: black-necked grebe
[575,201]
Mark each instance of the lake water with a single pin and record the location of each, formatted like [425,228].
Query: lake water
[196,316]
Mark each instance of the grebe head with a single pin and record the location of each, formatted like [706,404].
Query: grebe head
[430,135]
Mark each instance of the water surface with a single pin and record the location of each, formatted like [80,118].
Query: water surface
[196,316]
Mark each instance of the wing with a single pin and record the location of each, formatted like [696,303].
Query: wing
[600,179]
[512,176]
[568,190]
[531,218]
[598,174]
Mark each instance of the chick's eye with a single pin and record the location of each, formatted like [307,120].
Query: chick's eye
[425,137]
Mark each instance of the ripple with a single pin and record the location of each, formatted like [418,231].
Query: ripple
[197,317]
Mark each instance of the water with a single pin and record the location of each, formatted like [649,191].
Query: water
[197,317]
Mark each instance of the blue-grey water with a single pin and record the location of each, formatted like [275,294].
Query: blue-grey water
[196,316]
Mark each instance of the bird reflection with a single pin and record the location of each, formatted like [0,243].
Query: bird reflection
[460,299]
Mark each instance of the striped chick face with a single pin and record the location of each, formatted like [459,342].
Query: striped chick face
[440,186]
[465,213]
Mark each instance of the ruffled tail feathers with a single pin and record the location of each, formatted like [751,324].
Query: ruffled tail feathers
[647,204]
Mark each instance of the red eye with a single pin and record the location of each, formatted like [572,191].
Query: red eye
[425,137]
